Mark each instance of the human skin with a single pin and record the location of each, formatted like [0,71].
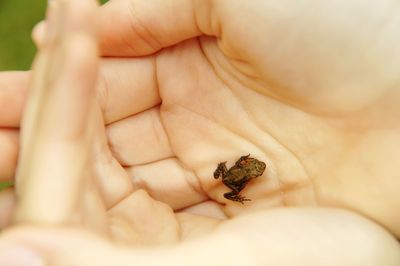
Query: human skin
[293,101]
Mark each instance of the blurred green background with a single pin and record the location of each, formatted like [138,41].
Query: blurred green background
[17,18]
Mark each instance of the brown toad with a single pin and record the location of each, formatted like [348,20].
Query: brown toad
[237,177]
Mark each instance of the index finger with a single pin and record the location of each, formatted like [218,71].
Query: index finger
[13,86]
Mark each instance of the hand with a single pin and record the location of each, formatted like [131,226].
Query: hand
[290,84]
[40,206]
[225,95]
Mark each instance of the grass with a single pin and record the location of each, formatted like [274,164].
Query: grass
[17,18]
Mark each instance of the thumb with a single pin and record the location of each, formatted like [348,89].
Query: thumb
[61,246]
[55,131]
[290,236]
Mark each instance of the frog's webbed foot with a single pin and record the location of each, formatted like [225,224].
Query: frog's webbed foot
[234,196]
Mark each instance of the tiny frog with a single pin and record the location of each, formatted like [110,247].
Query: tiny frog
[237,177]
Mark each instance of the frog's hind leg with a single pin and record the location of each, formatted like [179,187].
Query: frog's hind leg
[234,196]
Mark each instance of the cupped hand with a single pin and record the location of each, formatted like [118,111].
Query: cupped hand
[187,84]
[212,109]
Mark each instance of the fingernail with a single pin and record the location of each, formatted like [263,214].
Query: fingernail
[19,256]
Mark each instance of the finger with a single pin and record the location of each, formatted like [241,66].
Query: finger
[7,206]
[8,153]
[169,182]
[139,139]
[55,137]
[122,81]
[127,87]
[144,27]
[12,95]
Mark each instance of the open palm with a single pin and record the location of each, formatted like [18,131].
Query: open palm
[202,95]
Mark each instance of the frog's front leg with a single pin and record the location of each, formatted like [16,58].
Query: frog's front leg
[221,170]
[234,196]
